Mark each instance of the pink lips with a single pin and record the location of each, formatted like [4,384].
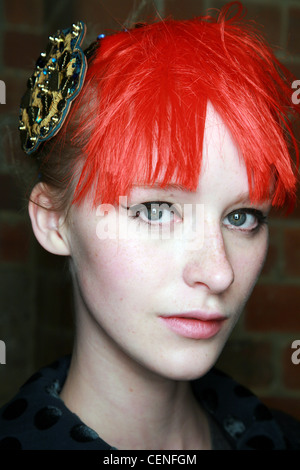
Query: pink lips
[195,325]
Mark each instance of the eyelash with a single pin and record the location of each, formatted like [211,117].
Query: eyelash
[260,217]
[148,206]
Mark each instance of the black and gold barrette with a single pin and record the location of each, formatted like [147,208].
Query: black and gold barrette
[56,81]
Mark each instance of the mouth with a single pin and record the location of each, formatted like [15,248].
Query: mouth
[194,325]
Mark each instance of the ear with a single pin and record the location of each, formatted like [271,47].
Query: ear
[47,224]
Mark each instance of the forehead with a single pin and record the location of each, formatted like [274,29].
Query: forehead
[217,137]
[222,161]
[223,170]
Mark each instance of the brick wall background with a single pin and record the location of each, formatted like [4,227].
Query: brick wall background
[35,292]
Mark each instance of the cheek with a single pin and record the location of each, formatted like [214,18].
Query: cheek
[248,260]
[116,271]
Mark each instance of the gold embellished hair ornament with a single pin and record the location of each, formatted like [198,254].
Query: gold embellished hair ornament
[57,79]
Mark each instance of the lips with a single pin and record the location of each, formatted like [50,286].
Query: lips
[194,325]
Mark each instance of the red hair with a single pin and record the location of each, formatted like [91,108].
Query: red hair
[146,93]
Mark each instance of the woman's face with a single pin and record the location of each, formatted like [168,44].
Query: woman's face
[168,300]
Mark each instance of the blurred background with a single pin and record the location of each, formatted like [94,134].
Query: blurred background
[36,318]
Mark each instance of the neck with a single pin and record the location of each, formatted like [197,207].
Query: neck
[129,406]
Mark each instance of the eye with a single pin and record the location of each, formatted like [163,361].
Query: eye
[245,219]
[154,212]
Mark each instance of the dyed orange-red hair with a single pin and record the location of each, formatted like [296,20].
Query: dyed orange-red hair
[145,98]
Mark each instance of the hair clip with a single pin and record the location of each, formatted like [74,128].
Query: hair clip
[57,79]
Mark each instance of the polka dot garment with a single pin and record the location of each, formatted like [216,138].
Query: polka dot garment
[38,419]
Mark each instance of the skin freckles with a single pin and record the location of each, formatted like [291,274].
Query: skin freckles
[122,287]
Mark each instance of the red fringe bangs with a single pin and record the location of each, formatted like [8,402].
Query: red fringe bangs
[143,108]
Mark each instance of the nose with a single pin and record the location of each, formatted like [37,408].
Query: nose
[208,264]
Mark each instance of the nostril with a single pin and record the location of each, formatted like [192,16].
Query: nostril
[214,272]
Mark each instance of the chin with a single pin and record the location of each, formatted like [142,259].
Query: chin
[186,368]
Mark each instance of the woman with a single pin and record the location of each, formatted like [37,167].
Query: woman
[157,187]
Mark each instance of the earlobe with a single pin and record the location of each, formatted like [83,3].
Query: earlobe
[47,223]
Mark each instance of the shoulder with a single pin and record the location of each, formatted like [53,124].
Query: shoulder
[36,418]
[246,422]
[290,428]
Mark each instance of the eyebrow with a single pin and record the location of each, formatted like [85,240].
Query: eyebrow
[241,198]
[167,187]
[244,198]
